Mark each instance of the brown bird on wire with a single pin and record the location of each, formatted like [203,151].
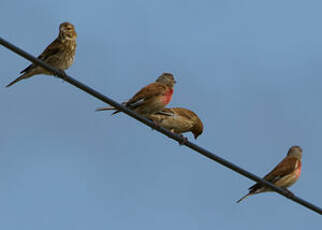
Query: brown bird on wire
[178,120]
[285,174]
[60,54]
[152,98]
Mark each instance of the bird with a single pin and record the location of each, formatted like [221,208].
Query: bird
[178,120]
[150,99]
[285,174]
[59,54]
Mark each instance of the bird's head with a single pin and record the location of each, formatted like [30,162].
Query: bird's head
[67,31]
[295,151]
[167,79]
[197,128]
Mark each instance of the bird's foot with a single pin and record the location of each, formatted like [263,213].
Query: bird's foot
[62,75]
[183,140]
[155,124]
[289,193]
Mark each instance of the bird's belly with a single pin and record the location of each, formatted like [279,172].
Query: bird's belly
[176,123]
[286,181]
[66,62]
[61,61]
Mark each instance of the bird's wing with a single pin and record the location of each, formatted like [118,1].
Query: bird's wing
[185,113]
[151,90]
[51,50]
[166,112]
[285,167]
[192,119]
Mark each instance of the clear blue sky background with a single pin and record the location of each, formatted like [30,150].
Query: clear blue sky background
[250,69]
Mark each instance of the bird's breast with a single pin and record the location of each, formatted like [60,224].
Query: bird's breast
[167,96]
[68,55]
[298,169]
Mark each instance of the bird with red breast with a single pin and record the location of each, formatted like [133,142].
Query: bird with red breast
[152,98]
[59,54]
[178,120]
[285,174]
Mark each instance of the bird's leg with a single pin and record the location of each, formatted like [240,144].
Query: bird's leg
[184,139]
[155,123]
[63,73]
[289,193]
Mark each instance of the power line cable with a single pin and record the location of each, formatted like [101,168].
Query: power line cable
[176,137]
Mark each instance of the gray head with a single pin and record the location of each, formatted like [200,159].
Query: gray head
[295,151]
[167,79]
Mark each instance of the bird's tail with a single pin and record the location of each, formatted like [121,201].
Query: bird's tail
[16,80]
[107,108]
[104,109]
[244,197]
[23,76]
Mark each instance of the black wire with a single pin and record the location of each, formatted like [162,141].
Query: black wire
[166,132]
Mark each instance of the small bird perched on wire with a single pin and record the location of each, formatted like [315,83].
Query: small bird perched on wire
[152,98]
[178,120]
[60,53]
[285,174]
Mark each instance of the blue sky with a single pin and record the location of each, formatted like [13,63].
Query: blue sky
[250,69]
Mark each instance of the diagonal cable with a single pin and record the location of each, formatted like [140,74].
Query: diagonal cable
[166,132]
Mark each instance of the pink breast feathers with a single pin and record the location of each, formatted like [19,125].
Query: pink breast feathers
[298,169]
[167,96]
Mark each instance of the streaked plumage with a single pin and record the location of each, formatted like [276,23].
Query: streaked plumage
[60,53]
[178,120]
[285,174]
[152,98]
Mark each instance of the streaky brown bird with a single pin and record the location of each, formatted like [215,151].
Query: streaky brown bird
[152,98]
[178,120]
[60,53]
[285,174]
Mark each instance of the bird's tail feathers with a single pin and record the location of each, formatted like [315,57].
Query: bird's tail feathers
[244,197]
[104,109]
[24,76]
[16,80]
